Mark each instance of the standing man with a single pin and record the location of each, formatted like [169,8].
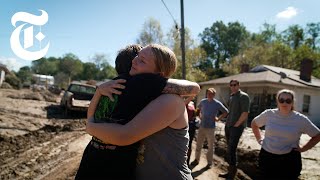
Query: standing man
[235,124]
[209,108]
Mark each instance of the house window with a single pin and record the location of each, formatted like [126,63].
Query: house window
[306,104]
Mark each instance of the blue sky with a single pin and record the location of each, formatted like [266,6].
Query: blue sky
[85,28]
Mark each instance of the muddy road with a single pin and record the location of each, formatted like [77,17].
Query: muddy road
[37,141]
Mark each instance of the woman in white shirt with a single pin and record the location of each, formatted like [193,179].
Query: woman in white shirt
[280,155]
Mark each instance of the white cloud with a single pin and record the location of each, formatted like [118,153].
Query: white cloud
[287,13]
[11,63]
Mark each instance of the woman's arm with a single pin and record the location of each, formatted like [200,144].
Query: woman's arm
[157,115]
[310,144]
[173,86]
[110,87]
[188,99]
[181,87]
[256,132]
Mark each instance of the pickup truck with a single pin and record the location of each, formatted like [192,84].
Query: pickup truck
[77,97]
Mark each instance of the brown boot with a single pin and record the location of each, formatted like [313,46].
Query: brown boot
[232,172]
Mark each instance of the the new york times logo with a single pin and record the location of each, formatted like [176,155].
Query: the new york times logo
[28,35]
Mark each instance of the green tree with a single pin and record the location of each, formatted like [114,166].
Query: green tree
[25,75]
[107,72]
[99,60]
[275,54]
[193,57]
[268,34]
[45,66]
[312,34]
[89,72]
[253,56]
[62,80]
[221,42]
[53,65]
[280,55]
[294,36]
[103,70]
[13,80]
[302,52]
[194,54]
[151,33]
[316,69]
[71,65]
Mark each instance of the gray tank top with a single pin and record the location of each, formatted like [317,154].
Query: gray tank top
[163,155]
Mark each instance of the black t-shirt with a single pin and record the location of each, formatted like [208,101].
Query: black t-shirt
[140,90]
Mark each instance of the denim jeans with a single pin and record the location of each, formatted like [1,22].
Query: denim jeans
[233,135]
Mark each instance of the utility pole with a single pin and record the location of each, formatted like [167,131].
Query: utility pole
[183,53]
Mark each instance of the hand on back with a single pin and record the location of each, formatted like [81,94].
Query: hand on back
[111,87]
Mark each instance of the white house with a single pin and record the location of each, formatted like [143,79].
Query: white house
[3,71]
[263,82]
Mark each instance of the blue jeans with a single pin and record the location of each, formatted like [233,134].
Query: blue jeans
[233,135]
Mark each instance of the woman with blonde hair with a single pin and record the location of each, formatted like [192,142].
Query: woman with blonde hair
[280,154]
[162,124]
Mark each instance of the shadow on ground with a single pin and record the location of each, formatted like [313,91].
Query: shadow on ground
[57,112]
[199,172]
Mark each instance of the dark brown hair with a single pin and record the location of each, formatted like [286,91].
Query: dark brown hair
[234,80]
[125,57]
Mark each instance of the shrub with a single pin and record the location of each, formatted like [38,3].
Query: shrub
[13,80]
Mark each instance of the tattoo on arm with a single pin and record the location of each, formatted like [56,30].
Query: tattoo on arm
[174,88]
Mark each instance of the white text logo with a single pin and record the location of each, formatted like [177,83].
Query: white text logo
[28,35]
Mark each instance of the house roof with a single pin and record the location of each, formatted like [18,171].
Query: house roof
[271,74]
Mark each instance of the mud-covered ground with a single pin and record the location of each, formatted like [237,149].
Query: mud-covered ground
[38,142]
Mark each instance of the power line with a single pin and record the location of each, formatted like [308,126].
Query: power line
[175,22]
[182,36]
